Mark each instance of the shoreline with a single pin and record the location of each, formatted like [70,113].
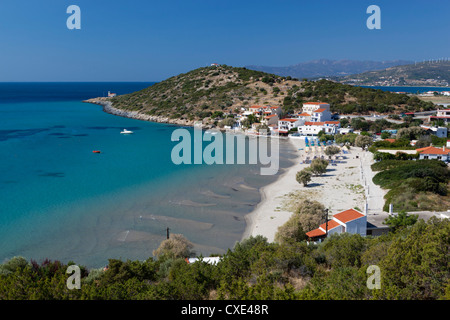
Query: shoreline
[272,211]
[108,108]
[341,188]
[262,221]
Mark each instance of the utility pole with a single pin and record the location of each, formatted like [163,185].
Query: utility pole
[167,233]
[326,222]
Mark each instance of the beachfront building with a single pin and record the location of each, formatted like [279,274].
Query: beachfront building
[286,124]
[271,119]
[350,221]
[430,153]
[310,128]
[321,115]
[310,107]
[111,95]
[304,116]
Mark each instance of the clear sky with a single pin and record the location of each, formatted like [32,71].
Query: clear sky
[147,40]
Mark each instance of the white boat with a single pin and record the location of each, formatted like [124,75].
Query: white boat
[125,131]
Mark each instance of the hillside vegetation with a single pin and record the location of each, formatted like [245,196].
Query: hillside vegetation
[212,93]
[413,262]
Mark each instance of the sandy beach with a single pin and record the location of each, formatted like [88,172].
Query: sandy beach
[344,186]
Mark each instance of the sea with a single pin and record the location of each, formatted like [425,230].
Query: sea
[61,201]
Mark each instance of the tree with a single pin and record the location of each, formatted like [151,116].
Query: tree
[304,176]
[291,231]
[332,150]
[402,219]
[307,216]
[318,166]
[177,246]
[311,214]
[363,141]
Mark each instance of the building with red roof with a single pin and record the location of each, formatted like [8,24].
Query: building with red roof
[350,221]
[429,153]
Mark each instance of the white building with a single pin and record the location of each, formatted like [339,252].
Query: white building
[286,124]
[310,128]
[310,107]
[350,221]
[440,132]
[321,115]
[430,153]
[443,114]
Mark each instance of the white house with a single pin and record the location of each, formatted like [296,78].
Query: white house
[286,124]
[310,107]
[350,221]
[442,154]
[321,115]
[111,95]
[443,114]
[440,132]
[271,119]
[310,128]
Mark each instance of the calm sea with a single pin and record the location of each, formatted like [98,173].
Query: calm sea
[59,200]
[411,89]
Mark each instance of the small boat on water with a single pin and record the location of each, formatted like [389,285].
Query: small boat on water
[96,151]
[125,131]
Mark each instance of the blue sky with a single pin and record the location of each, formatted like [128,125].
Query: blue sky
[146,40]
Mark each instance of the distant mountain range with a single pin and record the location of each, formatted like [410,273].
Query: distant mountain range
[435,73]
[324,68]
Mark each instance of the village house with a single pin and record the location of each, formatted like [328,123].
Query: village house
[310,107]
[440,132]
[429,153]
[350,221]
[443,114]
[310,128]
[321,115]
[286,124]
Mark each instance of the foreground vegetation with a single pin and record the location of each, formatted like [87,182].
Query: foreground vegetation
[413,261]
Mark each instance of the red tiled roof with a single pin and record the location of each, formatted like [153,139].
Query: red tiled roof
[304,114]
[289,119]
[390,140]
[332,122]
[331,225]
[320,110]
[271,116]
[433,150]
[315,233]
[348,215]
[309,123]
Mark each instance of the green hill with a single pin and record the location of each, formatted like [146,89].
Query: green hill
[211,93]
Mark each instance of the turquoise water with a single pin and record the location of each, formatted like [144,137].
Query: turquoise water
[59,200]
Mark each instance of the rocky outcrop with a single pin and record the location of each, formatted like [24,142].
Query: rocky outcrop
[108,107]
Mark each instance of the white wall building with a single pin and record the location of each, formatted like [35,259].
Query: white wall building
[310,107]
[310,128]
[287,124]
[351,221]
[440,132]
[430,153]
